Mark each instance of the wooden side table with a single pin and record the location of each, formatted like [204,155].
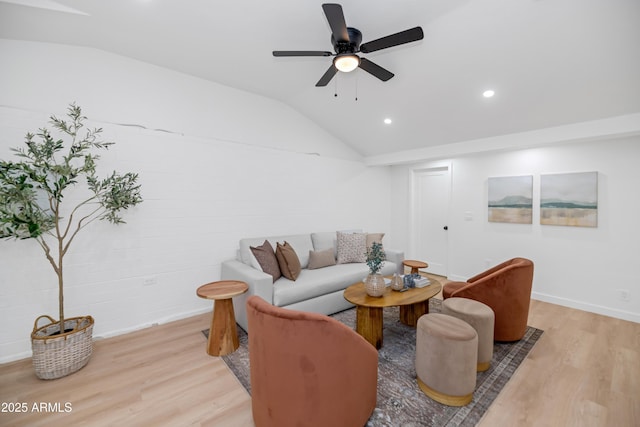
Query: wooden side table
[414,265]
[223,333]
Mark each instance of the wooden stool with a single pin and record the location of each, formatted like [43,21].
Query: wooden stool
[223,333]
[446,357]
[414,265]
[481,317]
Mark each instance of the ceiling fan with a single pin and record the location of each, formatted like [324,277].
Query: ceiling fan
[346,43]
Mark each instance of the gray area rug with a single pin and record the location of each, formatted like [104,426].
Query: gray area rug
[401,403]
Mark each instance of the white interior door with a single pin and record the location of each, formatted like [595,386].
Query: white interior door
[432,189]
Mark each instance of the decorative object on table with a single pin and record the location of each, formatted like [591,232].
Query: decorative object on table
[408,281]
[31,194]
[396,282]
[569,199]
[510,199]
[374,283]
[420,281]
[411,279]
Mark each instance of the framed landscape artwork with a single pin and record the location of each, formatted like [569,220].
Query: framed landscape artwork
[510,199]
[569,199]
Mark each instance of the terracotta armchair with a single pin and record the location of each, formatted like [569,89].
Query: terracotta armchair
[308,369]
[506,288]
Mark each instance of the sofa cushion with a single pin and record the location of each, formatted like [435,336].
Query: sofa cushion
[314,283]
[325,240]
[374,237]
[288,261]
[319,259]
[267,259]
[352,247]
[301,243]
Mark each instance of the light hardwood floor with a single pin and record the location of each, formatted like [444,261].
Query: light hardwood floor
[584,371]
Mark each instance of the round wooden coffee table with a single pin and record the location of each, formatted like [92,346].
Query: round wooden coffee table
[413,304]
[223,333]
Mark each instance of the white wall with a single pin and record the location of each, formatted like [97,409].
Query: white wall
[233,166]
[44,78]
[574,266]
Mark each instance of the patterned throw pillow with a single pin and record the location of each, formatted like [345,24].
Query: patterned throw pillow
[319,259]
[267,259]
[352,247]
[288,261]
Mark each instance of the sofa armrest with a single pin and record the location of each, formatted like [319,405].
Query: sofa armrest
[259,282]
[396,257]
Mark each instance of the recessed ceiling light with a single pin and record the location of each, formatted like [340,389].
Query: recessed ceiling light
[387,121]
[488,93]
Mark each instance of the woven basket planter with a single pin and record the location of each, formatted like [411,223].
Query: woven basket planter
[55,356]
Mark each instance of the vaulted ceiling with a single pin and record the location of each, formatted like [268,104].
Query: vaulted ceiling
[550,62]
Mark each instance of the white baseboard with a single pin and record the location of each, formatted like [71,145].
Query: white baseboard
[14,357]
[109,334]
[592,308]
[580,305]
[161,321]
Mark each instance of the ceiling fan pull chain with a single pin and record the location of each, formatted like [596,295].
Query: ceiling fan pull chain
[335,87]
[356,88]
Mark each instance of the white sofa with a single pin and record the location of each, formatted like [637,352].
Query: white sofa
[317,290]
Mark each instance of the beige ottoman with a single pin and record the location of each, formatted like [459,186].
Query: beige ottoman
[481,317]
[446,358]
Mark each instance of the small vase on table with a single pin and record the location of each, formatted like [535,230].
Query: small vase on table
[396,283]
[374,283]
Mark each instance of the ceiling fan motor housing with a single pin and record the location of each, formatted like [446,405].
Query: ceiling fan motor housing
[351,46]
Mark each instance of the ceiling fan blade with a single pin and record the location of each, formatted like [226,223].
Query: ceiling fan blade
[335,17]
[328,75]
[407,36]
[300,53]
[375,70]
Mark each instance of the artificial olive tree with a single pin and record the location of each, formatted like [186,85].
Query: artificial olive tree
[32,190]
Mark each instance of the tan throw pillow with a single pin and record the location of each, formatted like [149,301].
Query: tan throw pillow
[267,259]
[374,237]
[319,259]
[288,261]
[352,247]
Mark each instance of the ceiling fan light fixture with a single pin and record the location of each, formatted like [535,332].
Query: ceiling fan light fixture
[346,62]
